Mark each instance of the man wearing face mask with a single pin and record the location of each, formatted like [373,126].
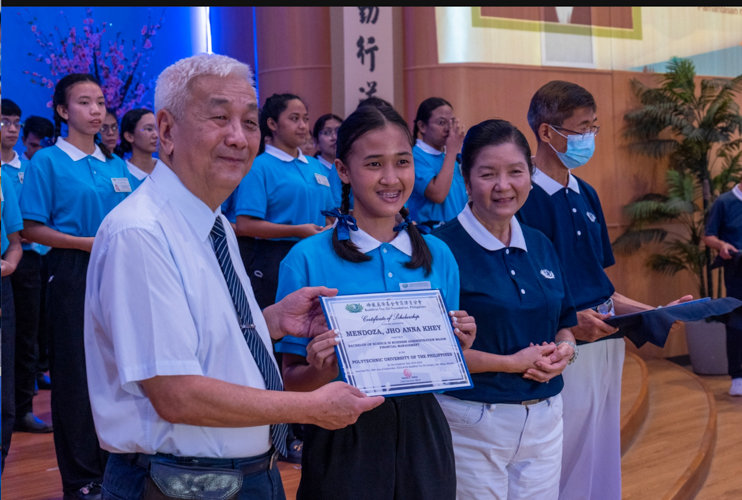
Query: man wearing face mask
[568,211]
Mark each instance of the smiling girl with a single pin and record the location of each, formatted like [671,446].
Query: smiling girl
[402,449]
[67,191]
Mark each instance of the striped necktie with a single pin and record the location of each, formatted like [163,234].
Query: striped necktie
[259,352]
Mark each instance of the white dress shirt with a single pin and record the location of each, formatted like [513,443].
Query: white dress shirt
[157,304]
[136,171]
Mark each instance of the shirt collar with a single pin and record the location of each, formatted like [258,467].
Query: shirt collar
[428,148]
[136,171]
[25,156]
[15,162]
[737,192]
[325,162]
[365,242]
[484,238]
[77,155]
[550,185]
[283,155]
[196,212]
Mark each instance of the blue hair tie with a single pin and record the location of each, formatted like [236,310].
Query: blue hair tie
[345,223]
[403,225]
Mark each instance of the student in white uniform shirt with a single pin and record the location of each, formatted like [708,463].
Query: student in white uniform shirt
[139,138]
[567,210]
[185,347]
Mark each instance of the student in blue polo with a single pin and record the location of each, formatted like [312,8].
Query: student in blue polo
[280,201]
[11,252]
[402,449]
[325,135]
[67,191]
[26,282]
[439,193]
[567,210]
[724,233]
[507,429]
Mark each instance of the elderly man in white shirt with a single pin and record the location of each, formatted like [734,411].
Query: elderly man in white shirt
[184,389]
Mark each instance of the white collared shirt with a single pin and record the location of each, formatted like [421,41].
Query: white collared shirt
[366,243]
[136,171]
[76,154]
[428,148]
[550,185]
[157,304]
[15,162]
[737,192]
[487,240]
[325,162]
[283,155]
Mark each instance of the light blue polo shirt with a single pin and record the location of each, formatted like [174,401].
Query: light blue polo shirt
[336,185]
[285,190]
[10,214]
[71,191]
[313,262]
[15,172]
[428,162]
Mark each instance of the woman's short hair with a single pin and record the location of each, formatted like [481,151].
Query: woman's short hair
[173,88]
[492,133]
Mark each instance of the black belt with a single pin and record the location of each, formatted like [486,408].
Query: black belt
[266,462]
[525,403]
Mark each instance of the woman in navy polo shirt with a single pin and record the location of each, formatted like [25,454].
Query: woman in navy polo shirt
[280,201]
[402,449]
[67,191]
[507,430]
[439,193]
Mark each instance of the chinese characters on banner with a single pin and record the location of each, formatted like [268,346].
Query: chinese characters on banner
[368,55]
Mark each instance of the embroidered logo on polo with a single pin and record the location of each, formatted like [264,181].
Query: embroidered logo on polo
[547,274]
[590,216]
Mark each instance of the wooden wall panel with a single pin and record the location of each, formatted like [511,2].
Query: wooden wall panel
[294,55]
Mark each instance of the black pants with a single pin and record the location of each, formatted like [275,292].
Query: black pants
[401,450]
[43,336]
[26,282]
[247,245]
[263,269]
[8,360]
[80,458]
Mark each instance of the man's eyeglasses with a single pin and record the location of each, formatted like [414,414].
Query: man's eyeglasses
[7,124]
[105,129]
[593,129]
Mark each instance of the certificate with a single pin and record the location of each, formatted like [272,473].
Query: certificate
[396,343]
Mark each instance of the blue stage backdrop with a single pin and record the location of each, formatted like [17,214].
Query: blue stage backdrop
[182,32]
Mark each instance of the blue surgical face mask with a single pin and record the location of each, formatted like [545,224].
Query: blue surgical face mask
[580,149]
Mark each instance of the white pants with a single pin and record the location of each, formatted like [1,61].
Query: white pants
[591,460]
[505,452]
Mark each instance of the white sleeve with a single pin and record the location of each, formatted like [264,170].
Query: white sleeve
[142,309]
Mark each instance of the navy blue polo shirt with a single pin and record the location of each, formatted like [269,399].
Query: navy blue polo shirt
[517,294]
[725,218]
[572,218]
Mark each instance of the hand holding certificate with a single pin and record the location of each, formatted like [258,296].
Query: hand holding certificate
[396,343]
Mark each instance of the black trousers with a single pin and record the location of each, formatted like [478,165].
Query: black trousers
[80,458]
[263,269]
[43,336]
[734,334]
[401,450]
[26,282]
[8,360]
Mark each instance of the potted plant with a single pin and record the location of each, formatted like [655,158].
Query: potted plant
[697,127]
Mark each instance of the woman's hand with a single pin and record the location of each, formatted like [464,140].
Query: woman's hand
[684,298]
[455,139]
[464,327]
[551,366]
[527,358]
[321,352]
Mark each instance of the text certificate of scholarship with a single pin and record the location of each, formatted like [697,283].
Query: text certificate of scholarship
[396,343]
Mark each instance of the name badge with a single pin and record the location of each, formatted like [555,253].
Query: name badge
[322,179]
[417,285]
[121,184]
[21,175]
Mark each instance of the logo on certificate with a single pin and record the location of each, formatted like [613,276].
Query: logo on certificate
[354,308]
[547,274]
